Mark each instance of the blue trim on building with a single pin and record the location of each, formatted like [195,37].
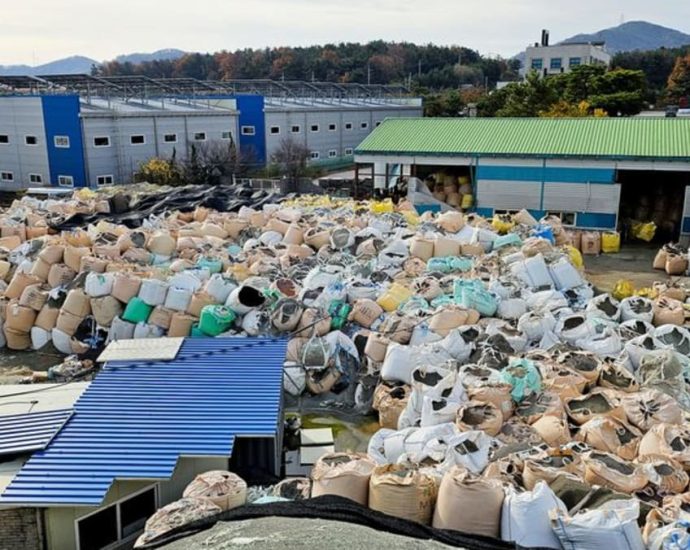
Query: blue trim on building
[251,108]
[686,226]
[587,220]
[485,212]
[61,118]
[546,174]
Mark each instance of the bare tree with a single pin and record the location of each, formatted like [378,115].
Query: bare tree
[213,161]
[291,156]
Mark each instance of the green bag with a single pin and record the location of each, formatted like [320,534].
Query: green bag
[215,320]
[137,311]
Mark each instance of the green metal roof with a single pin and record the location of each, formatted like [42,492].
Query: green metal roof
[659,138]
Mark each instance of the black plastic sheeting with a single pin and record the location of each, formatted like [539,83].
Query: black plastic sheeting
[338,509]
[131,211]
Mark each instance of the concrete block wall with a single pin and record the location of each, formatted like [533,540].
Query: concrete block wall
[20,528]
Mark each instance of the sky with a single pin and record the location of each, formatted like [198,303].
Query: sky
[38,31]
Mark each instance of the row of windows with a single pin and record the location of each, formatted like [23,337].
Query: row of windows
[28,140]
[332,127]
[555,63]
[333,153]
[140,139]
[65,181]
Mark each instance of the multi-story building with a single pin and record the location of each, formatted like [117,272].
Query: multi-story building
[80,130]
[562,58]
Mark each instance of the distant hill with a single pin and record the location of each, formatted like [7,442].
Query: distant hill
[78,64]
[635,35]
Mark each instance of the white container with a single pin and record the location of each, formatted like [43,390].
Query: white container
[119,330]
[565,275]
[153,292]
[99,284]
[243,299]
[40,337]
[144,330]
[219,287]
[185,280]
[178,299]
[61,341]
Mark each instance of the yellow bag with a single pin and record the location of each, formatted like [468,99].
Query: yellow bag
[501,225]
[467,201]
[644,231]
[575,256]
[394,296]
[610,242]
[623,289]
[412,218]
[382,207]
[647,292]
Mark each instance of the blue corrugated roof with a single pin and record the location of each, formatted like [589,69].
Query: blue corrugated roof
[136,419]
[24,433]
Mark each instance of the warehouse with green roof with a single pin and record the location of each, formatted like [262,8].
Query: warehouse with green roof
[592,172]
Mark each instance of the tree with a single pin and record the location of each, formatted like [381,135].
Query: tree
[445,104]
[679,80]
[563,109]
[159,171]
[291,157]
[528,99]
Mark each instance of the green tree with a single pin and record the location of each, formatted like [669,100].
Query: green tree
[530,98]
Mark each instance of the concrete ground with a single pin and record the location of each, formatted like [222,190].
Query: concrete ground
[297,534]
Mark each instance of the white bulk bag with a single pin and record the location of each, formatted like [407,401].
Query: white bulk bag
[534,324]
[361,290]
[39,337]
[460,342]
[61,341]
[270,238]
[572,328]
[613,526]
[185,280]
[512,308]
[219,287]
[256,322]
[525,517]
[144,330]
[548,300]
[565,275]
[605,344]
[99,284]
[604,307]
[422,334]
[294,379]
[502,288]
[674,536]
[637,308]
[638,347]
[376,447]
[178,299]
[533,272]
[470,450]
[673,337]
[153,292]
[119,330]
[401,360]
[515,338]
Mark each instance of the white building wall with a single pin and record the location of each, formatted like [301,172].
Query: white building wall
[21,117]
[588,54]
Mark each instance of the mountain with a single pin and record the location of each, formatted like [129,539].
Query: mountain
[78,64]
[635,35]
[161,55]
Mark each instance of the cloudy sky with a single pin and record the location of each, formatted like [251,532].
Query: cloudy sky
[38,31]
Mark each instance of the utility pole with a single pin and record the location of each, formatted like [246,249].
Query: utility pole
[369,73]
[419,68]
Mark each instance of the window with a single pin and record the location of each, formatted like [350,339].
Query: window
[31,140]
[314,128]
[35,178]
[332,127]
[104,180]
[348,125]
[65,181]
[137,140]
[314,155]
[4,139]
[248,130]
[332,154]
[364,125]
[556,63]
[226,136]
[537,64]
[275,130]
[6,176]
[377,123]
[101,141]
[575,61]
[199,136]
[61,142]
[170,138]
[295,129]
[349,151]
[117,524]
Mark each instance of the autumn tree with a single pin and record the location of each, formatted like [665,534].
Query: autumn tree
[679,81]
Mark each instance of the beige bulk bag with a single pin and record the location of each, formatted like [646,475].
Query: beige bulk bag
[390,402]
[34,297]
[314,322]
[668,311]
[198,301]
[52,253]
[525,218]
[234,227]
[317,237]
[610,471]
[19,318]
[161,243]
[111,251]
[60,275]
[469,505]
[40,270]
[161,317]
[448,319]
[201,213]
[583,408]
[47,317]
[454,199]
[105,309]
[181,325]
[77,238]
[16,230]
[554,463]
[676,265]
[5,268]
[10,242]
[443,246]
[93,264]
[18,283]
[294,235]
[648,408]
[225,489]
[137,256]
[17,341]
[376,347]
[536,405]
[495,393]
[475,415]
[68,323]
[365,312]
[421,248]
[209,229]
[672,440]
[125,287]
[660,259]
[257,219]
[77,303]
[451,221]
[473,250]
[553,430]
[665,473]
[295,346]
[73,255]
[591,243]
[343,474]
[274,224]
[611,435]
[403,492]
[36,232]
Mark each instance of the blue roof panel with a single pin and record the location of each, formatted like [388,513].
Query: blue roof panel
[137,419]
[24,433]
